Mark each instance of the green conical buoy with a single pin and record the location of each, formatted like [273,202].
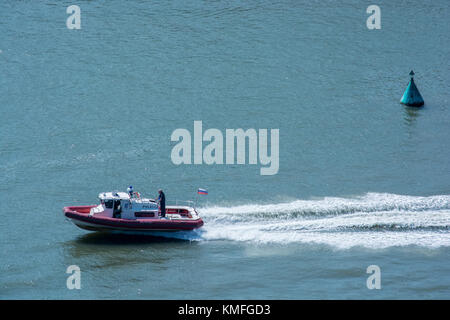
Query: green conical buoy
[412,96]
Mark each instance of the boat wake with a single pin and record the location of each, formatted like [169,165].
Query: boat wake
[375,220]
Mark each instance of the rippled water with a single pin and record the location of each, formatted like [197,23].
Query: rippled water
[363,180]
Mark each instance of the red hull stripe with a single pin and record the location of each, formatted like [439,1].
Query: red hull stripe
[132,224]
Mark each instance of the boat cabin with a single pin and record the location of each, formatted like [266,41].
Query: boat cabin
[122,205]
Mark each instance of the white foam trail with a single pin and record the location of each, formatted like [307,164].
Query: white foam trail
[370,202]
[374,220]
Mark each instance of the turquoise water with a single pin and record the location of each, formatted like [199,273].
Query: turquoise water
[363,180]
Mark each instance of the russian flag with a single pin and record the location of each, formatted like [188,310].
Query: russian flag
[202,191]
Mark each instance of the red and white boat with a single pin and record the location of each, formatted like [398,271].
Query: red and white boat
[118,211]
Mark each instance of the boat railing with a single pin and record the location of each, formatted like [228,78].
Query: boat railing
[188,203]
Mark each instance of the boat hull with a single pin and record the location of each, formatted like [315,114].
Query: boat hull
[81,218]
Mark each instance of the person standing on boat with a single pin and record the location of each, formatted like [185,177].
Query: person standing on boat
[130,191]
[162,202]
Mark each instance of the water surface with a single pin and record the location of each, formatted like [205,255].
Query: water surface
[363,180]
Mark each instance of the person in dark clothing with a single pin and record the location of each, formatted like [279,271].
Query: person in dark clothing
[117,209]
[162,202]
